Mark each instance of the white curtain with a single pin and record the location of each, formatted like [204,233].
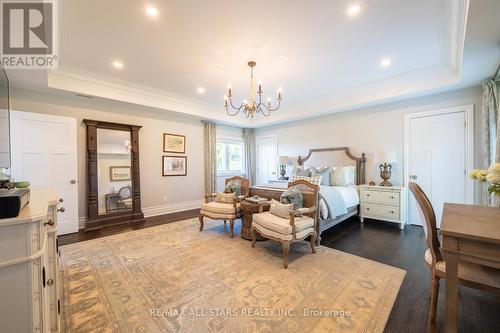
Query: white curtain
[250,168]
[210,157]
[491,128]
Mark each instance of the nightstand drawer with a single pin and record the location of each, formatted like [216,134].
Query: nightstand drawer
[381,211]
[390,198]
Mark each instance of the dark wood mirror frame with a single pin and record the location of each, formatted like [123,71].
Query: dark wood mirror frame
[94,220]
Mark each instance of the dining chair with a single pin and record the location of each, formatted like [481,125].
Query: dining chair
[469,274]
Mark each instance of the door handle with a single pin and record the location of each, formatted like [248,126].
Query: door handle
[62,210]
[73,181]
[413,177]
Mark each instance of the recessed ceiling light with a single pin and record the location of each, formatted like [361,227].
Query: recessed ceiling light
[151,11]
[385,62]
[353,10]
[200,90]
[117,64]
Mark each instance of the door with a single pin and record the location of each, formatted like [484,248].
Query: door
[267,152]
[438,160]
[44,153]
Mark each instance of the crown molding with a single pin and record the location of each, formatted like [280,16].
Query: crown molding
[93,84]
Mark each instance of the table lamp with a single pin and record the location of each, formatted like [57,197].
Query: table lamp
[283,161]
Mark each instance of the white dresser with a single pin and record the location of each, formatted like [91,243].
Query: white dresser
[384,203]
[30,281]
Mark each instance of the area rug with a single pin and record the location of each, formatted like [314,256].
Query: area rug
[174,278]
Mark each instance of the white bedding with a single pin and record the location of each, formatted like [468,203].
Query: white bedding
[335,200]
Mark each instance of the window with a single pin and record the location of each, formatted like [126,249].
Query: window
[230,157]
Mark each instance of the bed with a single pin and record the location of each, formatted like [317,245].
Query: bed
[342,201]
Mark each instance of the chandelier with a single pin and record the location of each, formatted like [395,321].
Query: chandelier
[251,107]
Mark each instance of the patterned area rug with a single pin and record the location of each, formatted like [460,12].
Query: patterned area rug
[174,278]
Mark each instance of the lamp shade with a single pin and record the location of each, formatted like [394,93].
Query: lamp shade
[387,156]
[283,160]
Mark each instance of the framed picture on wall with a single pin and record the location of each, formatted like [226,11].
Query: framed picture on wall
[174,143]
[119,173]
[174,166]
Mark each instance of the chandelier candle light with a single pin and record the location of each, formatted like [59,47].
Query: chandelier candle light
[251,107]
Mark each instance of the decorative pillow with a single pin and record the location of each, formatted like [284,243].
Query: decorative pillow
[234,186]
[225,197]
[324,173]
[343,176]
[312,180]
[292,196]
[300,171]
[280,209]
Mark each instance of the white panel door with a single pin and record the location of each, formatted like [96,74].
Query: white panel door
[266,152]
[44,153]
[437,161]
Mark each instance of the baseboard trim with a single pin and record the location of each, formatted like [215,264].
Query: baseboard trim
[158,210]
[171,208]
[67,228]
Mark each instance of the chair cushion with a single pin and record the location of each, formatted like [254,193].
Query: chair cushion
[281,225]
[276,235]
[219,208]
[469,272]
[226,198]
[280,210]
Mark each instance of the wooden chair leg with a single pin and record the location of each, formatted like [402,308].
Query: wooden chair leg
[201,222]
[313,240]
[286,247]
[434,292]
[231,226]
[254,235]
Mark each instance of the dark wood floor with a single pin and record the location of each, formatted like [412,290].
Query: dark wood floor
[150,222]
[385,243]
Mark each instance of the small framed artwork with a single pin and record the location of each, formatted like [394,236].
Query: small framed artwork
[119,173]
[174,143]
[174,166]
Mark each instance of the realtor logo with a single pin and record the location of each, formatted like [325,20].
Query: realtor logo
[29,34]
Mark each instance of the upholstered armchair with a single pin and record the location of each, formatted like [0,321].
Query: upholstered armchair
[300,223]
[222,210]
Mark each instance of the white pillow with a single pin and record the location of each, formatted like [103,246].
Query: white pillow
[279,209]
[343,176]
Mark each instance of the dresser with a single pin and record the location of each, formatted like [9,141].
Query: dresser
[384,203]
[30,280]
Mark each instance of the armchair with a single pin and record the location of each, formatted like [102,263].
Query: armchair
[224,211]
[299,225]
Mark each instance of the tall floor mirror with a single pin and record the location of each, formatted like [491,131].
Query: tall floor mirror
[114,194]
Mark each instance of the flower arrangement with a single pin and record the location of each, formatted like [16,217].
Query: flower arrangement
[491,176]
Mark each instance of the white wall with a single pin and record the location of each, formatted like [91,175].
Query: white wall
[159,195]
[371,129]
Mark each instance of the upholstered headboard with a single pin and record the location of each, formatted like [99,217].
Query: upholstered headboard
[336,156]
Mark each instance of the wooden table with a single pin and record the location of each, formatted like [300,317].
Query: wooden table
[250,208]
[472,234]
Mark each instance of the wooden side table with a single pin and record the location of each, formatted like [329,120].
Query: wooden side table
[250,208]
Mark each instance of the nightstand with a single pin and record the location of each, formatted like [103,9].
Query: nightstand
[384,203]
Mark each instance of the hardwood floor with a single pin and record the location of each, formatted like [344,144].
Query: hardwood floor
[150,222]
[385,243]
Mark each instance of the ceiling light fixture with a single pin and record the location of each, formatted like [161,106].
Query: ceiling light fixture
[251,107]
[117,64]
[200,90]
[385,62]
[353,10]
[151,11]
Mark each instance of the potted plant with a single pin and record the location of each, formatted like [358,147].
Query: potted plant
[492,178]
